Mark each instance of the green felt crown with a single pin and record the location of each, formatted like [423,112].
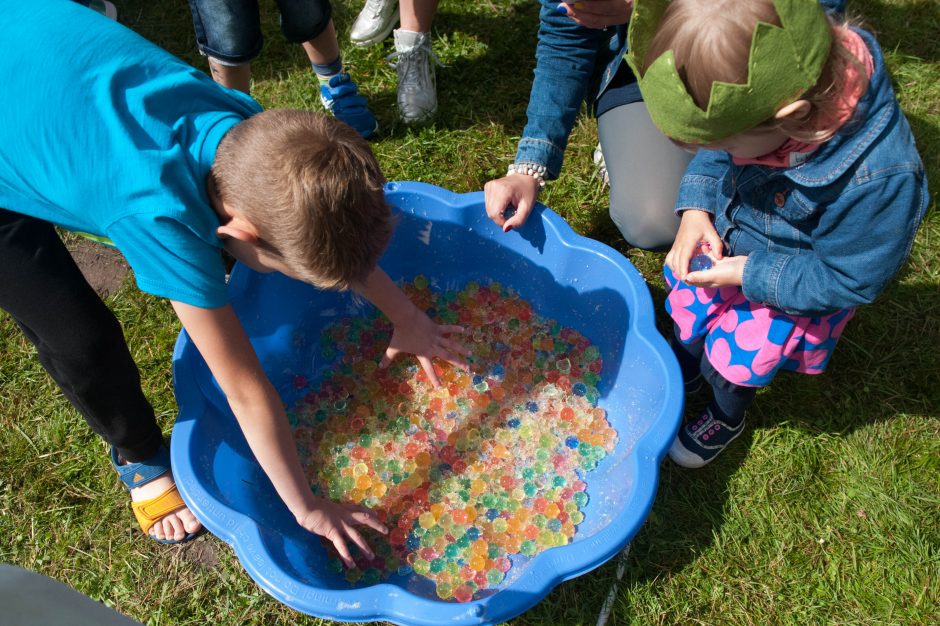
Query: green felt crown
[784,63]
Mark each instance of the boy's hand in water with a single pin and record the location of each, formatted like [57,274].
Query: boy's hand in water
[338,522]
[417,334]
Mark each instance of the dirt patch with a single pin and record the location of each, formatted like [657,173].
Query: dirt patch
[103,267]
[203,552]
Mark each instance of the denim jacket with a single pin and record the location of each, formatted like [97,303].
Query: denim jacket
[573,63]
[831,232]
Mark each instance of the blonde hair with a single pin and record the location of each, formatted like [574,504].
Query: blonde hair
[312,188]
[711,41]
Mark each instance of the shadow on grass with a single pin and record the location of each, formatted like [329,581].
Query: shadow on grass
[910,28]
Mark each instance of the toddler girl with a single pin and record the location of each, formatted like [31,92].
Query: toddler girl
[806,197]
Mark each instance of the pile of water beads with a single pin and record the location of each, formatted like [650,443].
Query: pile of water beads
[483,468]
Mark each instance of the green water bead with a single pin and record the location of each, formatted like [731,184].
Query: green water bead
[529,489]
[341,461]
[421,282]
[580,498]
[576,517]
[528,547]
[421,567]
[493,551]
[499,525]
[494,577]
[452,550]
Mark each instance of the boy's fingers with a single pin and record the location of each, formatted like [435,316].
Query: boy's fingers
[456,347]
[453,329]
[359,540]
[336,537]
[369,519]
[429,370]
[389,356]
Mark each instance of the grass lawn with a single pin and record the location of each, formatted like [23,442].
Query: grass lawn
[827,509]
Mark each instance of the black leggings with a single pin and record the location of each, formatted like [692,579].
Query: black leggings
[80,342]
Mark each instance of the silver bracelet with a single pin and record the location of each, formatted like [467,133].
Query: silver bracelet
[535,170]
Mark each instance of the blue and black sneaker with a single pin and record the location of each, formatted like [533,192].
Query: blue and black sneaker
[340,96]
[701,441]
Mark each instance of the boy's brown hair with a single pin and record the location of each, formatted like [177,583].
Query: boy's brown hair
[711,41]
[312,188]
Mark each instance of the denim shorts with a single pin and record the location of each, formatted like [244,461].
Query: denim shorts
[229,31]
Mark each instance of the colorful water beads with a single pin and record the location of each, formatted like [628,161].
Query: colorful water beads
[485,467]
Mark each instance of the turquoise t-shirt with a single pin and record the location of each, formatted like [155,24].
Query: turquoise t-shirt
[103,132]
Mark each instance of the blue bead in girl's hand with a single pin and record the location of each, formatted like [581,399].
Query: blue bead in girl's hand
[700,262]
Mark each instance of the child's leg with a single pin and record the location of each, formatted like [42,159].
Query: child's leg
[81,345]
[228,32]
[309,23]
[690,357]
[644,169]
[415,61]
[702,439]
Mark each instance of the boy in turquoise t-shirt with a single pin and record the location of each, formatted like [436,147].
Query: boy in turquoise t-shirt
[104,133]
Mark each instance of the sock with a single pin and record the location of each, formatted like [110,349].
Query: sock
[688,355]
[407,39]
[326,71]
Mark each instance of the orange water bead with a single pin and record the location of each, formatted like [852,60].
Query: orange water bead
[411,449]
[436,509]
[363,482]
[477,487]
[435,404]
[379,489]
[471,514]
[513,544]
[498,393]
[551,510]
[531,532]
[478,563]
[512,525]
[423,459]
[459,516]
[480,547]
[500,451]
[506,481]
[567,413]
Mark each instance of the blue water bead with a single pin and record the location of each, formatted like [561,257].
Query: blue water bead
[473,533]
[572,442]
[451,415]
[492,514]
[477,379]
[405,570]
[531,406]
[579,389]
[412,542]
[513,423]
[553,525]
[700,262]
[498,371]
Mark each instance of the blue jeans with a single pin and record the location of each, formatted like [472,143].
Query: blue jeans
[229,31]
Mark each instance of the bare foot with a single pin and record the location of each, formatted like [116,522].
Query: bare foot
[173,526]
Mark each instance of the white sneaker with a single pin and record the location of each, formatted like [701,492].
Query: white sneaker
[374,22]
[417,86]
[600,166]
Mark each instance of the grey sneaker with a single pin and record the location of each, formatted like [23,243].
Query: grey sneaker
[374,23]
[417,87]
[601,166]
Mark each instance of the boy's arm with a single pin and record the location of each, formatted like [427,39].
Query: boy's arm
[223,344]
[414,332]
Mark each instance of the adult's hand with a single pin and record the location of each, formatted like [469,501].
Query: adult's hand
[516,190]
[599,13]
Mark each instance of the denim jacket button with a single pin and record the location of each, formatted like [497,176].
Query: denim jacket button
[780,198]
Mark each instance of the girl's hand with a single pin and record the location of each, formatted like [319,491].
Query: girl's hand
[728,272]
[419,335]
[598,13]
[516,191]
[695,227]
[337,522]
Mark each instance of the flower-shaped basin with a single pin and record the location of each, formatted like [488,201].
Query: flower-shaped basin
[446,237]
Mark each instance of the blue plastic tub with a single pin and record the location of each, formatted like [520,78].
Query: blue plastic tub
[448,238]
